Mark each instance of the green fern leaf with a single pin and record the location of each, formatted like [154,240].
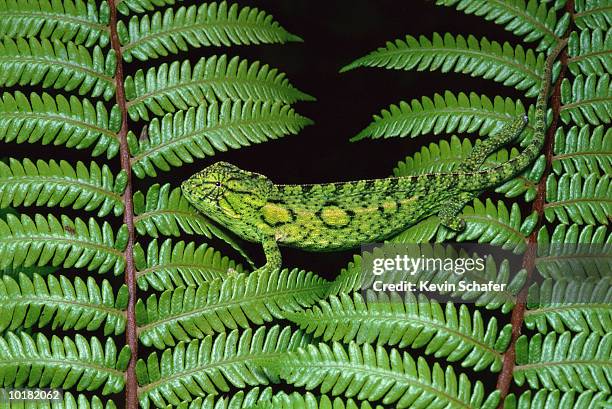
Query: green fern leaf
[72,122]
[493,224]
[587,101]
[67,401]
[582,150]
[593,14]
[168,88]
[566,362]
[59,184]
[389,319]
[58,65]
[372,373]
[573,198]
[196,133]
[81,21]
[140,6]
[461,113]
[210,366]
[242,399]
[591,52]
[310,401]
[85,365]
[532,21]
[511,66]
[574,252]
[544,399]
[358,275]
[194,312]
[63,304]
[27,242]
[577,305]
[205,25]
[166,267]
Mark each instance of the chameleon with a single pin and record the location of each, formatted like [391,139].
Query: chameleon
[344,215]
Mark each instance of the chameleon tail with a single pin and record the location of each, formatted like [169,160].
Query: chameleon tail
[479,180]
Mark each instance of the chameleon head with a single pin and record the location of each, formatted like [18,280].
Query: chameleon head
[226,193]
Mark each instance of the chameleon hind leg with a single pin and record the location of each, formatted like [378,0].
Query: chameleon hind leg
[450,210]
[273,255]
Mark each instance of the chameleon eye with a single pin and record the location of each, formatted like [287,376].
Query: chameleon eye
[218,184]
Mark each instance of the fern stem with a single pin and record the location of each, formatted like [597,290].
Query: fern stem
[131,335]
[505,377]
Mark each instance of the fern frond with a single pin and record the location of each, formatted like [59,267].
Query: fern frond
[72,122]
[544,399]
[371,373]
[194,312]
[82,364]
[593,14]
[81,21]
[60,184]
[567,362]
[165,211]
[513,67]
[140,6]
[533,20]
[358,275]
[493,224]
[582,150]
[587,100]
[310,401]
[76,305]
[211,24]
[57,65]
[390,319]
[574,252]
[591,52]
[197,133]
[168,88]
[573,198]
[69,401]
[577,305]
[210,366]
[168,266]
[27,242]
[449,113]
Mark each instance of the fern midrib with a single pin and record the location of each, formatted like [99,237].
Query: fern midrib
[60,181]
[568,307]
[322,319]
[601,200]
[407,379]
[179,212]
[583,153]
[18,361]
[237,82]
[236,301]
[203,367]
[34,299]
[577,104]
[592,11]
[191,265]
[579,58]
[59,17]
[195,27]
[205,131]
[526,16]
[601,361]
[574,255]
[56,239]
[492,220]
[57,118]
[45,61]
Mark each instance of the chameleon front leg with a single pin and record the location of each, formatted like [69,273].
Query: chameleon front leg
[452,207]
[273,255]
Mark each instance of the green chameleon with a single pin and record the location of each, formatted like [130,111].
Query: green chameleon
[341,216]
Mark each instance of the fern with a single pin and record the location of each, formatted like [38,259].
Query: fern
[198,368]
[587,100]
[168,88]
[555,399]
[593,14]
[565,362]
[72,122]
[573,198]
[58,65]
[586,52]
[59,184]
[169,266]
[369,373]
[197,26]
[418,322]
[61,303]
[79,363]
[82,22]
[191,313]
[583,150]
[196,133]
[579,306]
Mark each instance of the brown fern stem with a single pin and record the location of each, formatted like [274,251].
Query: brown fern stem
[504,379]
[131,385]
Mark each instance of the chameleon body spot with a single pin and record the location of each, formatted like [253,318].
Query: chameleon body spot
[333,216]
[275,214]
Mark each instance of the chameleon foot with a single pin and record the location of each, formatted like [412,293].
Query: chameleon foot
[448,214]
